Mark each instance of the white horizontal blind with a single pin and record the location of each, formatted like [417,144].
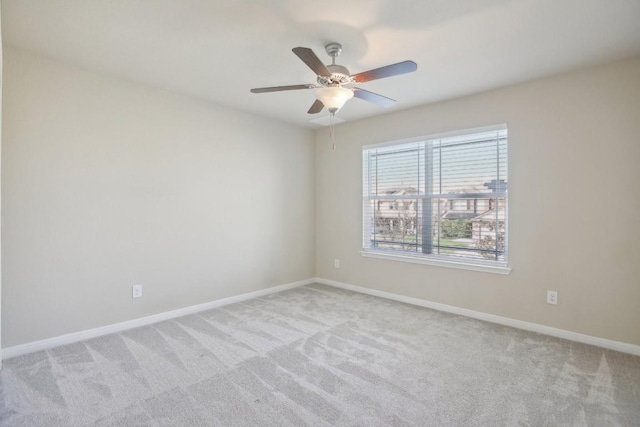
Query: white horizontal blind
[444,197]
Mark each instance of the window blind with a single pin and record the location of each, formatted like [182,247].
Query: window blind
[440,197]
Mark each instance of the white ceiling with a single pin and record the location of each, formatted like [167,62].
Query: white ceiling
[217,50]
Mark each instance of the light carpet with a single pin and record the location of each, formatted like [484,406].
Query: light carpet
[318,355]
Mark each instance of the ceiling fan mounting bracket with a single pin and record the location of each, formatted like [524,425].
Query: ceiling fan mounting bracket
[333,50]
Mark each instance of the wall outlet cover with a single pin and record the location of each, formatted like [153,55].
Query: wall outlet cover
[136,291]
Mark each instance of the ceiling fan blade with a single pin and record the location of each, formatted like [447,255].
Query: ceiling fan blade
[383,101]
[281,88]
[316,107]
[388,71]
[312,61]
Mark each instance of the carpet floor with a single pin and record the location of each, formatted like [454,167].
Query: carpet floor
[321,356]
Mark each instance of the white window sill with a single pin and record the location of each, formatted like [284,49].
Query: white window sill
[486,268]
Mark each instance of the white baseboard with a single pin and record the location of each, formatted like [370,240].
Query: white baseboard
[48,343]
[45,344]
[519,324]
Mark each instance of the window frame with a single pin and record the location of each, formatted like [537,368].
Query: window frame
[489,266]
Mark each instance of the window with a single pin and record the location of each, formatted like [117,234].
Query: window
[439,200]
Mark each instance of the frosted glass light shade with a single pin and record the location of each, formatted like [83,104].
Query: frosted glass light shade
[334,97]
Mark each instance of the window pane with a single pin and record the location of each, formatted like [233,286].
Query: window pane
[473,236]
[395,224]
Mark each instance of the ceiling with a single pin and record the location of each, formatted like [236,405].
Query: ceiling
[217,50]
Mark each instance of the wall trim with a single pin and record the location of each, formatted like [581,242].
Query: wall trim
[31,347]
[505,321]
[431,260]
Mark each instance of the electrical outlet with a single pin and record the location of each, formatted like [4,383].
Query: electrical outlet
[552,297]
[336,263]
[136,291]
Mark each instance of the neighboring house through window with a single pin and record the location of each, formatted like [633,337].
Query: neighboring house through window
[438,199]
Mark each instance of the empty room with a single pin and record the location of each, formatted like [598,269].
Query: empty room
[295,213]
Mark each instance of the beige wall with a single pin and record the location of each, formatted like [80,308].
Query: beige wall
[574,203]
[108,183]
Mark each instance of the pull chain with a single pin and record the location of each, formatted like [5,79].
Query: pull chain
[332,133]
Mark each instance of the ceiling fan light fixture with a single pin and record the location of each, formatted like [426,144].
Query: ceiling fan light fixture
[334,97]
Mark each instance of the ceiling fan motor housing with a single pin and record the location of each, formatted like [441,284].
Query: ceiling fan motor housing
[339,76]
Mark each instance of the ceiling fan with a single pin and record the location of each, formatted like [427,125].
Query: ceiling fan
[335,82]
